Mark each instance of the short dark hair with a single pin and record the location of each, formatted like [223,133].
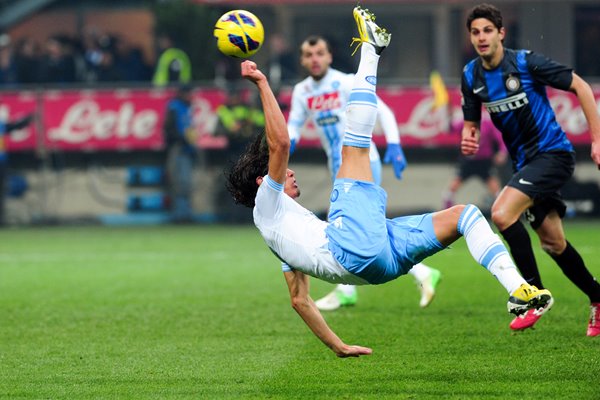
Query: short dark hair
[314,39]
[487,11]
[241,177]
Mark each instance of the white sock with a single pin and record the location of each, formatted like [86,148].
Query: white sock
[348,290]
[487,248]
[420,272]
[361,111]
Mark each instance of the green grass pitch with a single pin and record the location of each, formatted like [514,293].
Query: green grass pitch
[203,312]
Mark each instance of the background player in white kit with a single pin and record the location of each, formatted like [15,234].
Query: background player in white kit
[359,245]
[322,98]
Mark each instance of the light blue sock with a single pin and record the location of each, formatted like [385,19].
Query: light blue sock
[487,248]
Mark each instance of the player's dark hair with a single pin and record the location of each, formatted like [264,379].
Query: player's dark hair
[487,11]
[241,177]
[314,39]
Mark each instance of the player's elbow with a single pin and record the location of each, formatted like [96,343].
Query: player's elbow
[300,303]
[280,143]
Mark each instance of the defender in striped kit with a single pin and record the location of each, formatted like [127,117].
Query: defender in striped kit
[511,85]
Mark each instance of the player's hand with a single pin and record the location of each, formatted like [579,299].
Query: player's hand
[251,72]
[353,351]
[468,144]
[395,155]
[595,153]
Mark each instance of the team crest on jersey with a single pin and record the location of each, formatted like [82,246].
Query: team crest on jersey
[371,79]
[335,85]
[334,195]
[512,83]
[324,102]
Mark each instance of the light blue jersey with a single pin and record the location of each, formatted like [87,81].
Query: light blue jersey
[323,103]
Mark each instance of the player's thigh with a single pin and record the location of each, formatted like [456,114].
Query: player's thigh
[508,207]
[445,224]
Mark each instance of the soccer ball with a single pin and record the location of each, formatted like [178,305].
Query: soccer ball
[239,33]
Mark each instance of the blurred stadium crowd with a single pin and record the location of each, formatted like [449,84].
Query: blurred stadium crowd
[96,57]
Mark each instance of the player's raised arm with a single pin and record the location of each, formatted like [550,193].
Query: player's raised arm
[278,139]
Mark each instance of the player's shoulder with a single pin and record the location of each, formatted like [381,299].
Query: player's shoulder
[471,65]
[303,84]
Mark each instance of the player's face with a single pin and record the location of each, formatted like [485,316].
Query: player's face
[487,40]
[315,59]
[291,187]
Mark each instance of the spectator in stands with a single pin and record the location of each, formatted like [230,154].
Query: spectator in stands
[7,128]
[283,63]
[239,121]
[129,62]
[27,60]
[8,70]
[173,64]
[58,63]
[180,141]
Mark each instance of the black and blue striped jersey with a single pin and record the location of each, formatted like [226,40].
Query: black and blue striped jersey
[514,94]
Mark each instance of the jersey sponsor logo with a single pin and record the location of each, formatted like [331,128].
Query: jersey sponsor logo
[507,104]
[479,89]
[512,83]
[324,102]
[371,79]
[524,182]
[327,120]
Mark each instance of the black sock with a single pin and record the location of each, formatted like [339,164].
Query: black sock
[573,267]
[519,244]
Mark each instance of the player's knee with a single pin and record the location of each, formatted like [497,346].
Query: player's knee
[553,246]
[457,209]
[501,218]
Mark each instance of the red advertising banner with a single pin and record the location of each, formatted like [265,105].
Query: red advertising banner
[128,120]
[103,120]
[421,125]
[12,107]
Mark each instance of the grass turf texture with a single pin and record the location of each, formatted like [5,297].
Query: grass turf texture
[203,312]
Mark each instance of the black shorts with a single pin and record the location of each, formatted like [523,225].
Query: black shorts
[473,167]
[541,179]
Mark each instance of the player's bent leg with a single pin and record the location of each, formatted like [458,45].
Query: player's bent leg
[427,279]
[341,296]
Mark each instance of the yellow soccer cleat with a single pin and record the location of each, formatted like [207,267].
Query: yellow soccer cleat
[527,297]
[369,31]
